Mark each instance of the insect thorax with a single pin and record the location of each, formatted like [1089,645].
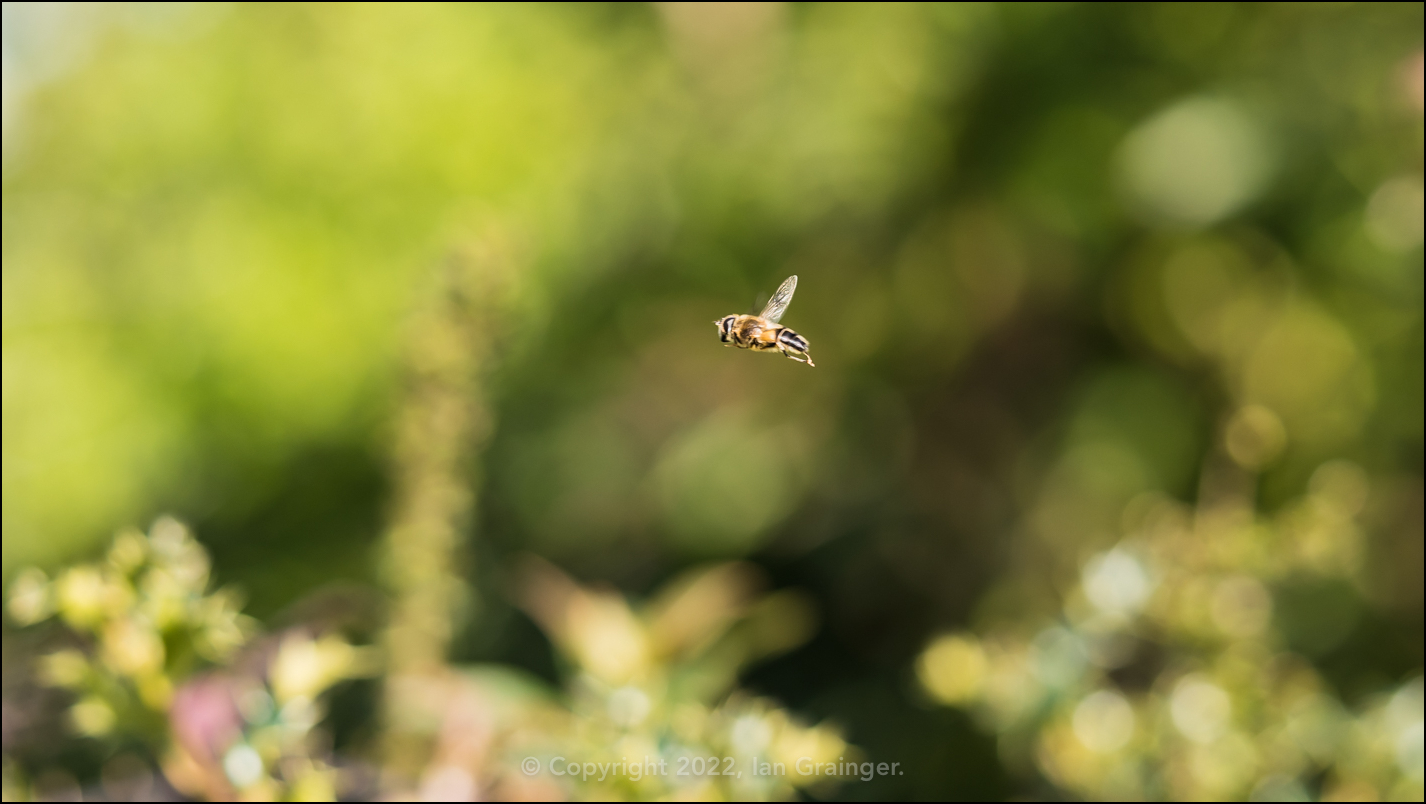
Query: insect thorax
[752,332]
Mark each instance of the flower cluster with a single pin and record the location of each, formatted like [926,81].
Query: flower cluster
[648,688]
[159,658]
[144,617]
[1168,675]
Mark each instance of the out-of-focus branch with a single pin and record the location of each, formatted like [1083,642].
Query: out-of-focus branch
[440,425]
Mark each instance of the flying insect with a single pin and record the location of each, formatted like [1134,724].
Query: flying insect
[762,332]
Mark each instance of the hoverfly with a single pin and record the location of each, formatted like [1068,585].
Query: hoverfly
[762,333]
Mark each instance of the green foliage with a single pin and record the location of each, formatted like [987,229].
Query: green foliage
[381,297]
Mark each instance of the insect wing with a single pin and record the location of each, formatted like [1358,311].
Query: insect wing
[777,305]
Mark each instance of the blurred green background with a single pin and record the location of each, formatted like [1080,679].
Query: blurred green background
[1058,263]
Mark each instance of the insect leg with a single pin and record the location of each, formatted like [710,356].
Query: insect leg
[801,357]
